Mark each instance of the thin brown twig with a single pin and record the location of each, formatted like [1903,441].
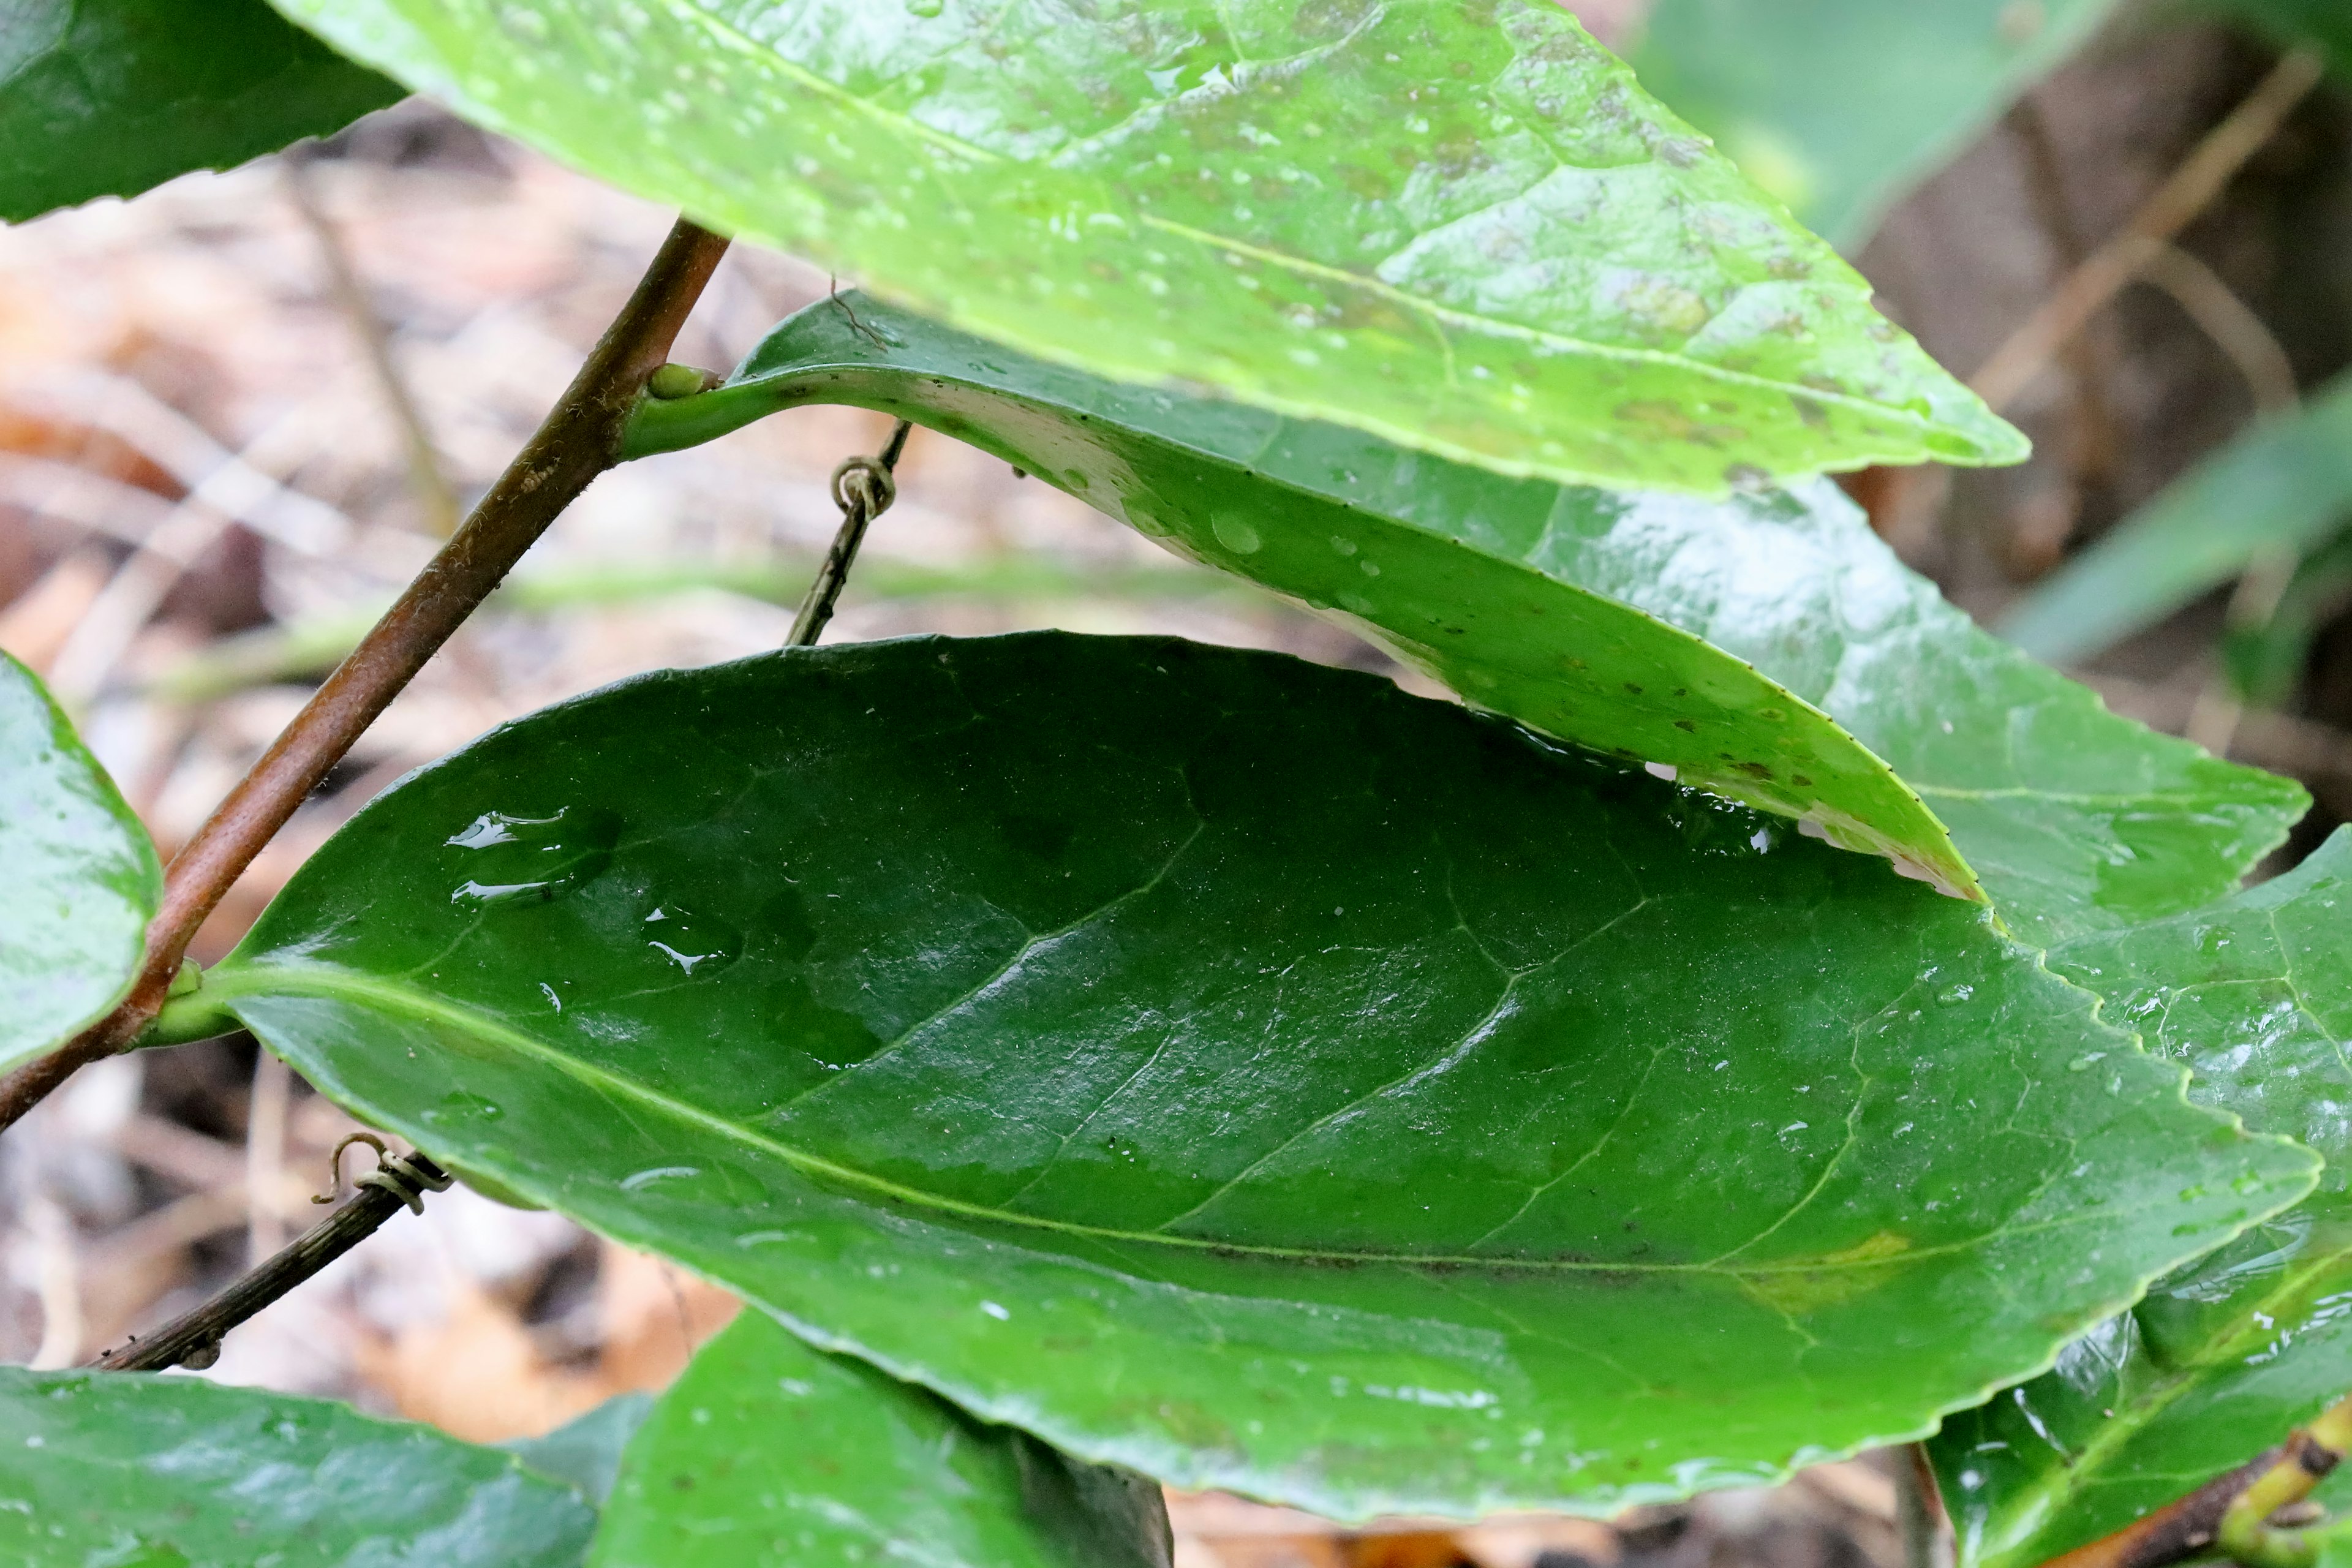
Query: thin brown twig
[428,484]
[193,1338]
[2177,203]
[2231,325]
[864,491]
[579,439]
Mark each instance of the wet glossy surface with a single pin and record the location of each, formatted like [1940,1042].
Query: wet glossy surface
[104,98]
[1463,227]
[148,1471]
[1548,602]
[2227,1355]
[767,1454]
[1237,1069]
[82,879]
[1838,106]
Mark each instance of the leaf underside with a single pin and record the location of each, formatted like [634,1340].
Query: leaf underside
[83,878]
[138,1470]
[1462,227]
[2235,1349]
[768,1454]
[1581,612]
[1243,1072]
[107,98]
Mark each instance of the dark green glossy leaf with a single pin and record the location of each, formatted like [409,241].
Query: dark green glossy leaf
[174,1472]
[106,97]
[1243,1072]
[2227,1355]
[1560,607]
[1838,107]
[1464,228]
[2284,486]
[767,1454]
[585,1452]
[81,877]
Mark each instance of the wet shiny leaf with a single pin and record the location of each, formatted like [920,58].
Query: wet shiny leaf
[1463,228]
[2283,486]
[1839,106]
[81,877]
[1243,1072]
[158,1472]
[767,1454]
[2229,1354]
[106,97]
[1581,612]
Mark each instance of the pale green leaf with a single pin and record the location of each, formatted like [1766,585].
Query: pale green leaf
[1463,228]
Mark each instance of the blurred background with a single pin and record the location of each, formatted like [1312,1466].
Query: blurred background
[238,414]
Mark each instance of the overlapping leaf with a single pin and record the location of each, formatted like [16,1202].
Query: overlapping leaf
[767,1454]
[102,98]
[1582,612]
[2226,1356]
[2284,486]
[1245,1073]
[1464,228]
[132,1469]
[83,876]
[1839,106]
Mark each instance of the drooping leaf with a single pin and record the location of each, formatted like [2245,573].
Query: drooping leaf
[175,1472]
[585,1452]
[1464,228]
[2285,485]
[1242,1072]
[107,98]
[2224,1357]
[767,1454]
[1839,106]
[82,878]
[1581,612]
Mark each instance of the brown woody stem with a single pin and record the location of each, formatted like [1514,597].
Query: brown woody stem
[193,1338]
[2231,1513]
[579,439]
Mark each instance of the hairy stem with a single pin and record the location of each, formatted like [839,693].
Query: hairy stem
[580,438]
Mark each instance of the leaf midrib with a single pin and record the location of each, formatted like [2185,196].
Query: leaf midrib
[334,983]
[1437,314]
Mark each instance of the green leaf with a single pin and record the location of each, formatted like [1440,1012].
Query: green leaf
[1560,607]
[2316,24]
[1464,228]
[585,1452]
[1240,1071]
[2266,660]
[1839,106]
[2284,486]
[102,98]
[83,880]
[767,1454]
[2229,1354]
[166,1472]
